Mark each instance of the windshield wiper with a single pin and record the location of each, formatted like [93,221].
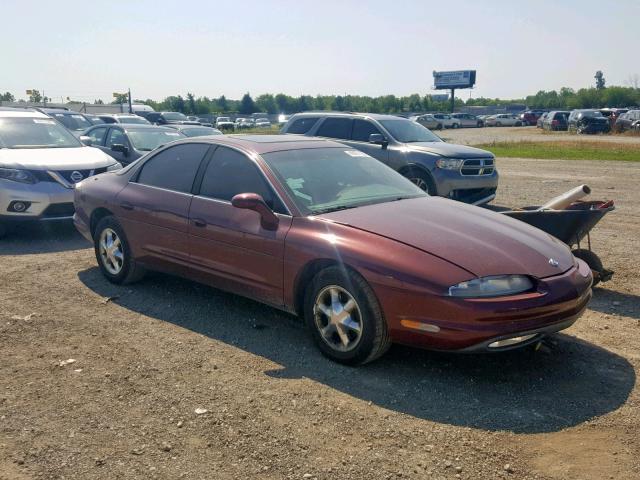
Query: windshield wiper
[333,209]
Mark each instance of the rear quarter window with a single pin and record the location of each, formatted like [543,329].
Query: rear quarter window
[302,125]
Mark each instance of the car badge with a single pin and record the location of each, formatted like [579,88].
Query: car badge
[553,262]
[76,176]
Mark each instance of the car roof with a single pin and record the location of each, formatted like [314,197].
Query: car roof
[261,144]
[62,111]
[374,116]
[21,112]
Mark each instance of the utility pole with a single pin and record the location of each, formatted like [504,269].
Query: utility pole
[130,106]
[453,99]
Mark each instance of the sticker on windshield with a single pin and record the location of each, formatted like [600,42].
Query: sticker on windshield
[77,116]
[173,134]
[46,122]
[355,153]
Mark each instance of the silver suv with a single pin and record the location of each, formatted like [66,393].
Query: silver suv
[455,171]
[40,162]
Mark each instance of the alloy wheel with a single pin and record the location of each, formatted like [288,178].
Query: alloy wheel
[338,319]
[111,251]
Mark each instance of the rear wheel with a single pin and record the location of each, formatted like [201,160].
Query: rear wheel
[439,126]
[455,125]
[591,259]
[345,318]
[113,253]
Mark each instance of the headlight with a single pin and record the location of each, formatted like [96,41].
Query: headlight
[496,286]
[114,167]
[17,175]
[449,163]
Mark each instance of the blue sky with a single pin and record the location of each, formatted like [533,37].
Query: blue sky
[88,50]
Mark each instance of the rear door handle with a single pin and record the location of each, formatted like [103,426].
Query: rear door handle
[126,206]
[199,223]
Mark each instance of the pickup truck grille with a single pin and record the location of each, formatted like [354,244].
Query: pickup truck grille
[478,166]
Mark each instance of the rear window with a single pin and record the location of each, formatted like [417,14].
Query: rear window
[336,128]
[302,125]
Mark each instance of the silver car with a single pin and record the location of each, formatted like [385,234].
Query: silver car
[40,162]
[455,171]
[437,121]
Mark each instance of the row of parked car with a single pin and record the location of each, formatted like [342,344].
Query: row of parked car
[588,120]
[315,224]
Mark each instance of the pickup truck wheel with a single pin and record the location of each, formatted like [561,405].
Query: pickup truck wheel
[421,179]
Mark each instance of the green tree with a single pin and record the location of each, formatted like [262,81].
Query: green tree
[191,103]
[35,96]
[600,81]
[7,97]
[120,99]
[222,104]
[266,103]
[247,105]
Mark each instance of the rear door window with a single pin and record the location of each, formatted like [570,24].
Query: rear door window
[174,168]
[97,135]
[336,128]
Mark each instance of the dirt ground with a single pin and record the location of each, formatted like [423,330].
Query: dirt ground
[148,356]
[476,136]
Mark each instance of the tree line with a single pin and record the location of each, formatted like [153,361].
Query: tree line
[565,99]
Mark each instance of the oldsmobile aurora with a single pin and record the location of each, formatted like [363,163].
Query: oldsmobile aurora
[325,231]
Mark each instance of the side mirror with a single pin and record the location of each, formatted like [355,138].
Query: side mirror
[378,139]
[119,147]
[253,201]
[88,141]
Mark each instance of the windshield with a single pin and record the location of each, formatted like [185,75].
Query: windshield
[223,119]
[147,140]
[73,121]
[25,132]
[321,180]
[133,119]
[405,131]
[174,116]
[591,113]
[200,131]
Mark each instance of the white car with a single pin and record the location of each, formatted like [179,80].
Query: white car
[40,163]
[225,123]
[262,122]
[503,120]
[438,121]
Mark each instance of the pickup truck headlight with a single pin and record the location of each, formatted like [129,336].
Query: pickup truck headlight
[114,167]
[449,163]
[17,175]
[495,286]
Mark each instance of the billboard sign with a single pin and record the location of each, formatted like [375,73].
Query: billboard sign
[457,79]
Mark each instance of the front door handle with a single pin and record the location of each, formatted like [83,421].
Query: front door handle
[199,223]
[126,206]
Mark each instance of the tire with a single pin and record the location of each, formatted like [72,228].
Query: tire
[455,125]
[591,259]
[498,124]
[367,335]
[439,126]
[480,125]
[421,179]
[122,272]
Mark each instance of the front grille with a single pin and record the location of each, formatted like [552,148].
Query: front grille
[478,166]
[44,176]
[59,210]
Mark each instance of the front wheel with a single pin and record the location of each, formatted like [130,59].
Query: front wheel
[421,179]
[439,126]
[455,125]
[113,253]
[345,318]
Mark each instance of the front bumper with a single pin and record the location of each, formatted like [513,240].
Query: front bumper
[475,189]
[456,324]
[47,201]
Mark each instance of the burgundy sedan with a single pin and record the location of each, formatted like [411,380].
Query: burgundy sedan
[324,231]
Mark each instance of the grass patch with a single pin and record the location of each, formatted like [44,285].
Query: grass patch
[565,150]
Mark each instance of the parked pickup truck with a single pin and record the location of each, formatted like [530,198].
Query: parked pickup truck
[455,171]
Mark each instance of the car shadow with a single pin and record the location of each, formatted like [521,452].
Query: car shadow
[616,303]
[566,382]
[42,237]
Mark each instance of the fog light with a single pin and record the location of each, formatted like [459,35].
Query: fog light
[18,207]
[507,342]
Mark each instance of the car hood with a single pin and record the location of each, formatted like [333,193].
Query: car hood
[475,239]
[451,150]
[80,158]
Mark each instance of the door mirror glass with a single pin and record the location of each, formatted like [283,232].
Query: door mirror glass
[255,202]
[378,139]
[88,141]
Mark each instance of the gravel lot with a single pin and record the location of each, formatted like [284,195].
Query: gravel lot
[475,136]
[147,356]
